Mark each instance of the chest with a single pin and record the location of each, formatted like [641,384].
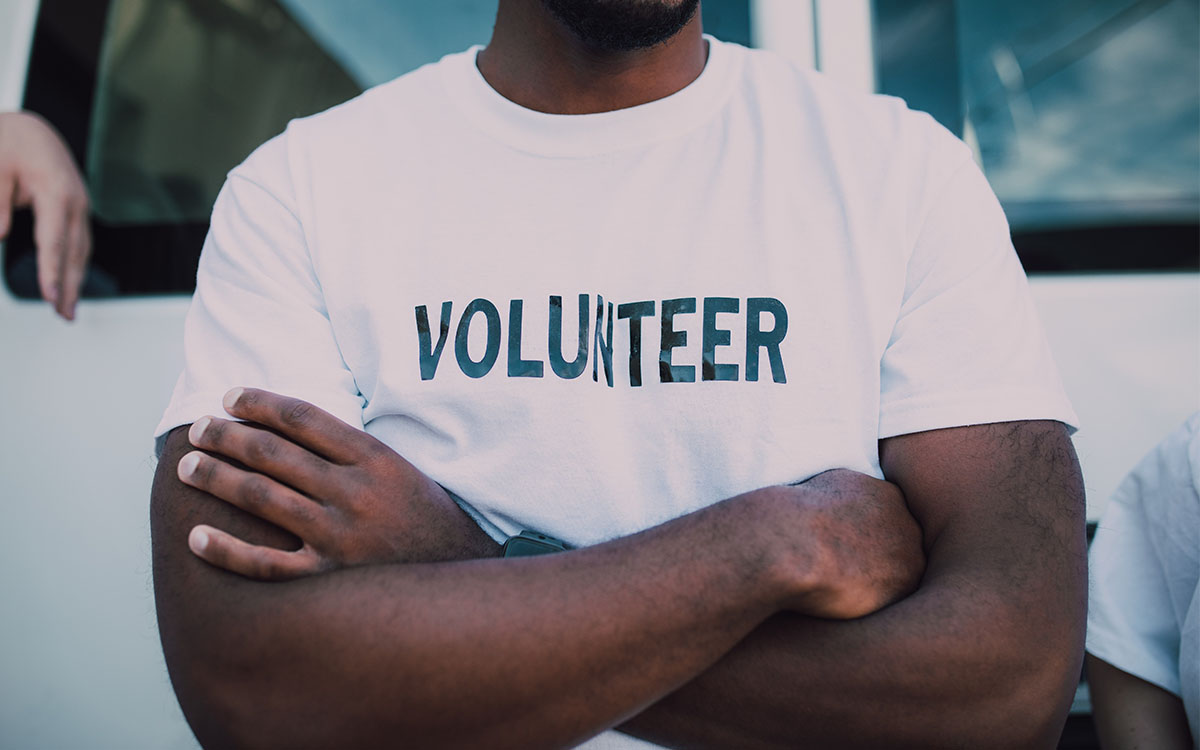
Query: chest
[671,332]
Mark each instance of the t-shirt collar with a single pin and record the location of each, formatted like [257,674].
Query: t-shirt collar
[577,136]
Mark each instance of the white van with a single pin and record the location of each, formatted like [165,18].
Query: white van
[1085,116]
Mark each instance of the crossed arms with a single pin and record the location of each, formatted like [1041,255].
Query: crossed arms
[772,619]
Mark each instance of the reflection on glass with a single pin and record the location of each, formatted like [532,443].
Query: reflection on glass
[1081,111]
[1095,101]
[187,88]
[376,41]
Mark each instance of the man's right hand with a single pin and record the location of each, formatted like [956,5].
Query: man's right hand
[858,549]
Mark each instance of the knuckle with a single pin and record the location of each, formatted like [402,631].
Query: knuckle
[64,194]
[53,243]
[296,413]
[357,483]
[372,449]
[262,447]
[58,190]
[318,564]
[301,512]
[304,517]
[255,492]
[317,465]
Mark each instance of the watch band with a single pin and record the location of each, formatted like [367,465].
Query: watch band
[530,543]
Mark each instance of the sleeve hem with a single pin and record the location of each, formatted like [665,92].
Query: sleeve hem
[189,410]
[204,403]
[1111,648]
[185,412]
[979,407]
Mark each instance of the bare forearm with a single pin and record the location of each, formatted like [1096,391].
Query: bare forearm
[536,651]
[985,654]
[926,672]
[533,652]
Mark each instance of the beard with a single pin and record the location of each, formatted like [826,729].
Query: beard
[623,25]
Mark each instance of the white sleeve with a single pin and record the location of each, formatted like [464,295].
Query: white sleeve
[1143,564]
[258,317]
[967,346]
[1130,622]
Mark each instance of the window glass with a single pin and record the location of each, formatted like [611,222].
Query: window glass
[160,98]
[186,90]
[1085,115]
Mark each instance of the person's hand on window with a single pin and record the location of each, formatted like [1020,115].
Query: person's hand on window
[36,170]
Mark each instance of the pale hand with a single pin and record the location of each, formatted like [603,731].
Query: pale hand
[350,498]
[36,170]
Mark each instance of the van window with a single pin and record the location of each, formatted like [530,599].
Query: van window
[1085,116]
[158,99]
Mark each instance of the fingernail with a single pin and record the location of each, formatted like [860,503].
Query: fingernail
[196,431]
[52,295]
[231,399]
[188,464]
[198,540]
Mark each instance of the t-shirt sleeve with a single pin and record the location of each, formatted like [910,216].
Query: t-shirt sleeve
[258,318]
[1144,563]
[1130,620]
[967,346]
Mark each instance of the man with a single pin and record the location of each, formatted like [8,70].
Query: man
[786,293]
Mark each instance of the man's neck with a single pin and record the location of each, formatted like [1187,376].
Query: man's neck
[535,61]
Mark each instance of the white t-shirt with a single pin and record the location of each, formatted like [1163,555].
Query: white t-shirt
[770,273]
[1144,609]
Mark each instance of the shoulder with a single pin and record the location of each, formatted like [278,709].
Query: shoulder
[882,158]
[1154,517]
[1169,475]
[1163,490]
[400,113]
[1144,569]
[402,102]
[877,126]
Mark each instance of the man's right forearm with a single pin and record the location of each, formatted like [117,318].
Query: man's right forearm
[534,652]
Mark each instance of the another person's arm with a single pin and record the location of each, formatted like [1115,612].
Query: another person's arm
[1131,713]
[36,170]
[1143,569]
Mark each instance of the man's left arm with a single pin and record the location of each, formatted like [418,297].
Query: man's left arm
[986,653]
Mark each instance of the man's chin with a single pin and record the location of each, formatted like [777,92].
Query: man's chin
[623,25]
